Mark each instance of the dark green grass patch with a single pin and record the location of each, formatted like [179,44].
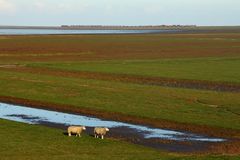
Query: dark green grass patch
[20,141]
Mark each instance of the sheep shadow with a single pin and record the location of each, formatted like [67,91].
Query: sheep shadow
[65,133]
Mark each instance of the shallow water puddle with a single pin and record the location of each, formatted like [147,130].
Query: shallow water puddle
[119,129]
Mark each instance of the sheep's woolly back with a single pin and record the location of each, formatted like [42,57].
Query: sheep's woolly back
[100,130]
[76,129]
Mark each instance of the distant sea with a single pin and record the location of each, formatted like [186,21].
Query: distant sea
[59,31]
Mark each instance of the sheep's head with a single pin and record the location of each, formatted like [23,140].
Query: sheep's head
[83,127]
[107,129]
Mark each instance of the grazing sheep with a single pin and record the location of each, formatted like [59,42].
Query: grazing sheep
[76,130]
[99,131]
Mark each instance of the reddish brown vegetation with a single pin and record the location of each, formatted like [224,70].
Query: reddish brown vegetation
[119,46]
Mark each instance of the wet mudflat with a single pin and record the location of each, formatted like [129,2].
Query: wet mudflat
[170,140]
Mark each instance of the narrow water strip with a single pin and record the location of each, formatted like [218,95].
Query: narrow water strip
[79,32]
[139,134]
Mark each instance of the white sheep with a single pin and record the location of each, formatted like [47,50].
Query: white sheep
[75,130]
[100,131]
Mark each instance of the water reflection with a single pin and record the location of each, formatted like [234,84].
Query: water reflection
[59,31]
[38,116]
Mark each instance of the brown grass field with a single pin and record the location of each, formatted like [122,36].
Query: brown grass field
[115,47]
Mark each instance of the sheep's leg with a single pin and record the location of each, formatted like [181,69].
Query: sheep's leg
[79,135]
[69,134]
[102,136]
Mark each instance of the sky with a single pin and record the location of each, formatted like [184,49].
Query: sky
[119,12]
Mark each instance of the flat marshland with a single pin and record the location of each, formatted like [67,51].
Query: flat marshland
[174,81]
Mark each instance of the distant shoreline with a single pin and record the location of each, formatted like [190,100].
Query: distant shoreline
[98,27]
[102,30]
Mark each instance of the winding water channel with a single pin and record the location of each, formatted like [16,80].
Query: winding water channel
[141,134]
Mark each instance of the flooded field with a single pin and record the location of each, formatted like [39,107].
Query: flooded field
[138,134]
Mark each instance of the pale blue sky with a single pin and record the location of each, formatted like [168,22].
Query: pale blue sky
[119,12]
